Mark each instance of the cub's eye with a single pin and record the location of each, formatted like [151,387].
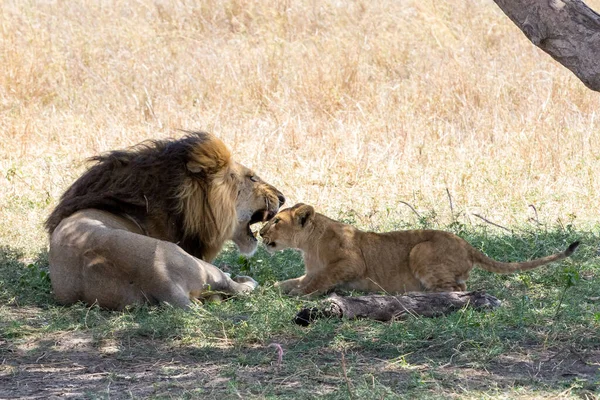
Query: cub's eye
[275,220]
[254,178]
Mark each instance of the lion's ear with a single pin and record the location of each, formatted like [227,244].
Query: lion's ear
[303,214]
[194,167]
[209,157]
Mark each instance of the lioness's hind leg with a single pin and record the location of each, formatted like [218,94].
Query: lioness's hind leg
[453,285]
[449,288]
[443,283]
[434,284]
[436,271]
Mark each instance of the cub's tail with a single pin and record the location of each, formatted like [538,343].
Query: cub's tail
[506,268]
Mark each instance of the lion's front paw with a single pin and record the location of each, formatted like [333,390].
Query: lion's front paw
[250,283]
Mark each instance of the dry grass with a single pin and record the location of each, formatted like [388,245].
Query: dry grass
[345,105]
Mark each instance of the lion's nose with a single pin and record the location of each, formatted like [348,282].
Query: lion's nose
[281,199]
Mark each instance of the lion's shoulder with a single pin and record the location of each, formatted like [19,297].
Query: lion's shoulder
[164,185]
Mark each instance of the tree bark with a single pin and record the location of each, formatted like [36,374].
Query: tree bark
[568,30]
[387,308]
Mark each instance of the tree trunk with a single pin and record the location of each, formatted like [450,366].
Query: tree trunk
[568,30]
[386,308]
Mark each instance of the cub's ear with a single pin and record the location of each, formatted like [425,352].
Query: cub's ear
[303,214]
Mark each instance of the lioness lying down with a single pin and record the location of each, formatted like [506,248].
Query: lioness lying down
[143,225]
[339,255]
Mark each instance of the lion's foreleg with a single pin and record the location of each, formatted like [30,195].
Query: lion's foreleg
[217,280]
[162,271]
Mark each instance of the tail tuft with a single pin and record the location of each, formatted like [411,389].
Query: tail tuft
[571,248]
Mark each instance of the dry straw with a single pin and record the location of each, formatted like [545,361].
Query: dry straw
[348,105]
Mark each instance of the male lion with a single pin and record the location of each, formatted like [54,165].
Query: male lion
[142,225]
[339,255]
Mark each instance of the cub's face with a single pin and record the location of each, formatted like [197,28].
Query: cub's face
[256,201]
[285,229]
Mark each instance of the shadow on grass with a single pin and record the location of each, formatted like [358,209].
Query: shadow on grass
[28,282]
[23,281]
[83,366]
[543,339]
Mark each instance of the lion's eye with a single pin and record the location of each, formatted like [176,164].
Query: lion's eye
[254,178]
[275,220]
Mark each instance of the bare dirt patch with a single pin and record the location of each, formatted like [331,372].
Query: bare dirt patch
[75,365]
[531,367]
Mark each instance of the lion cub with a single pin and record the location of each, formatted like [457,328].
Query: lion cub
[339,255]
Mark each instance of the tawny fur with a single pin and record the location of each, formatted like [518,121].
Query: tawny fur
[142,225]
[339,255]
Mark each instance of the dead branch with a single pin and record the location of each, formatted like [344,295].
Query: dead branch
[492,223]
[568,30]
[387,308]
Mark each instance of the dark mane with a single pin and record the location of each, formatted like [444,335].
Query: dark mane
[143,182]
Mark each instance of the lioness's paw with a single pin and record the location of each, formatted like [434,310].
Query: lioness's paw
[284,286]
[247,281]
[301,292]
[296,292]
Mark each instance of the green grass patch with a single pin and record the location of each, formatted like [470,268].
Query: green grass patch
[552,311]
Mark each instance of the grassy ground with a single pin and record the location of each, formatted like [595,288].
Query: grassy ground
[542,343]
[383,114]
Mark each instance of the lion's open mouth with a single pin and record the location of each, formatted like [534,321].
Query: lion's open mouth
[257,217]
[269,244]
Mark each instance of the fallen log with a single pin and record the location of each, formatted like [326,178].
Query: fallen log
[387,308]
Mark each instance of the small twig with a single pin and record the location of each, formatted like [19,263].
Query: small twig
[450,201]
[578,355]
[492,223]
[348,384]
[536,220]
[411,207]
[279,353]
[463,309]
[562,297]
[88,312]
